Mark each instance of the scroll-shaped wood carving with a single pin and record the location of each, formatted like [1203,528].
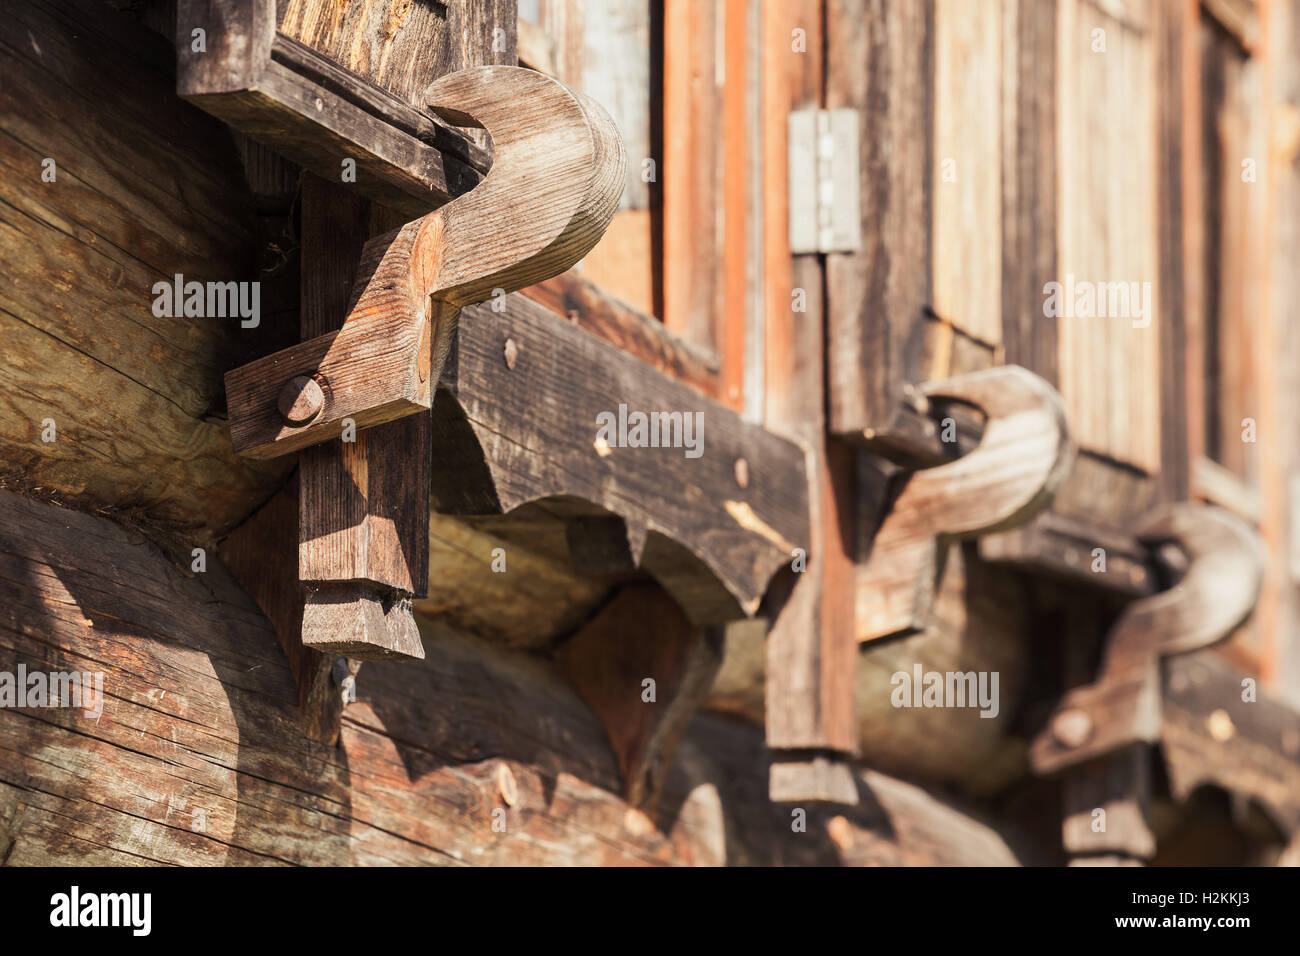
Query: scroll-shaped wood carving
[556,178]
[1023,457]
[648,474]
[1212,597]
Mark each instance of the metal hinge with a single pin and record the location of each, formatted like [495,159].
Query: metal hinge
[825,215]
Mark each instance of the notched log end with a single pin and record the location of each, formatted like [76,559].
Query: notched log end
[811,778]
[365,624]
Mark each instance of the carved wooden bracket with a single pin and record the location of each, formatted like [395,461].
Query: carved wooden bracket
[556,178]
[1213,596]
[1023,457]
[553,187]
[1212,732]
[533,409]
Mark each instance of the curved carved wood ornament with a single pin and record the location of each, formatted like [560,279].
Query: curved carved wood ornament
[1213,596]
[555,181]
[1023,457]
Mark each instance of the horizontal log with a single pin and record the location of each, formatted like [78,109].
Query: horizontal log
[982,621]
[197,759]
[144,187]
[532,408]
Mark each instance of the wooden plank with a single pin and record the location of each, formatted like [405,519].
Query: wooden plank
[363,528]
[1108,363]
[322,89]
[1029,184]
[637,333]
[809,651]
[1178,121]
[197,760]
[712,511]
[967,167]
[690,173]
[879,296]
[124,387]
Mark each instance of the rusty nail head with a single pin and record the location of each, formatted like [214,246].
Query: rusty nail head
[301,400]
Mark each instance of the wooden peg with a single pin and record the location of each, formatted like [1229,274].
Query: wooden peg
[555,182]
[1214,595]
[1023,457]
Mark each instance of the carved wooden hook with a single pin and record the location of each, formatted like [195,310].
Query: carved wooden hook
[555,182]
[1023,457]
[1214,595]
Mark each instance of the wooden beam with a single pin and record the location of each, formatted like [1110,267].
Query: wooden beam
[310,104]
[589,307]
[880,61]
[712,511]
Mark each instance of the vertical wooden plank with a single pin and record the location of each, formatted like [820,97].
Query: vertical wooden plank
[737,147]
[1109,371]
[1280,345]
[811,655]
[1029,184]
[880,62]
[616,72]
[364,504]
[967,167]
[1169,28]
[689,173]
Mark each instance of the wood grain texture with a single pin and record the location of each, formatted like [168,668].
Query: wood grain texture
[590,307]
[967,168]
[880,61]
[1212,596]
[324,99]
[809,649]
[145,187]
[1210,735]
[1107,230]
[505,436]
[197,759]
[363,525]
[1023,457]
[642,635]
[545,202]
[1029,183]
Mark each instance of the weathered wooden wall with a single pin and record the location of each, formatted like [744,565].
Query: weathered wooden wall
[198,757]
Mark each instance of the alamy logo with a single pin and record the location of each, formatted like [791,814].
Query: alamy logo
[951,689]
[102,909]
[75,689]
[652,430]
[211,300]
[1099,300]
